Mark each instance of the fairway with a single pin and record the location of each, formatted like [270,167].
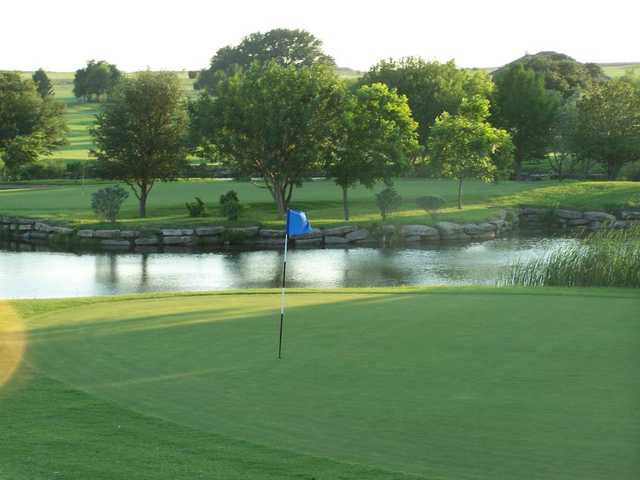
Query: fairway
[466,383]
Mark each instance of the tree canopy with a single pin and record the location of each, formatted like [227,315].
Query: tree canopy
[375,137]
[95,80]
[30,125]
[464,145]
[608,124]
[140,135]
[431,87]
[273,120]
[283,46]
[43,84]
[560,72]
[524,107]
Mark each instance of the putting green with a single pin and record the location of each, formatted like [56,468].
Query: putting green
[449,383]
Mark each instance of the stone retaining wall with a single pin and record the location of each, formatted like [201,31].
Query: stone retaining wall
[40,232]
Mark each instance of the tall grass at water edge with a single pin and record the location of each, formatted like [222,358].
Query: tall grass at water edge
[609,258]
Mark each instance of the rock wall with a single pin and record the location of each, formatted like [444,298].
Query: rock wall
[529,218]
[39,232]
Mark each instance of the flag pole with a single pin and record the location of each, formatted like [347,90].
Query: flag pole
[284,283]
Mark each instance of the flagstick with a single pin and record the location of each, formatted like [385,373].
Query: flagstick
[284,273]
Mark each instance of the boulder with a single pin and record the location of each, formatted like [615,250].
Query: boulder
[27,227]
[599,217]
[413,239]
[178,240]
[85,233]
[388,229]
[247,232]
[269,233]
[269,242]
[630,214]
[357,235]
[534,211]
[339,231]
[315,233]
[211,240]
[129,234]
[42,227]
[38,235]
[577,222]
[479,229]
[110,234]
[209,231]
[568,214]
[176,232]
[451,231]
[419,231]
[335,240]
[62,230]
[145,241]
[308,242]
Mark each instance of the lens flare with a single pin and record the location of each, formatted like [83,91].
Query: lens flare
[12,342]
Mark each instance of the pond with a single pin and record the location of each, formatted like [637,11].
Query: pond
[48,274]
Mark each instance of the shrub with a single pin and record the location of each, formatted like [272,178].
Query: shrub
[430,204]
[387,201]
[230,205]
[106,202]
[197,208]
[631,171]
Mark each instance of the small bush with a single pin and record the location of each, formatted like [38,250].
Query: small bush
[197,208]
[106,202]
[430,204]
[631,171]
[387,201]
[230,205]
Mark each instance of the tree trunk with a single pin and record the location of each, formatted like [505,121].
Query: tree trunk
[345,202]
[279,197]
[144,193]
[518,166]
[460,193]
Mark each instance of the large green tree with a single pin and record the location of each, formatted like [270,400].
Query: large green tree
[274,121]
[608,124]
[561,73]
[95,80]
[524,107]
[375,137]
[140,135]
[284,46]
[30,125]
[465,145]
[431,87]
[43,84]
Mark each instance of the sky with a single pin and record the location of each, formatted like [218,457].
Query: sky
[185,34]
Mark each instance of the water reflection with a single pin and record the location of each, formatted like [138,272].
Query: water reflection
[47,274]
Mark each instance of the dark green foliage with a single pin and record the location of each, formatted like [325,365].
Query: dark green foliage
[272,120]
[430,203]
[631,171]
[431,87]
[107,202]
[30,126]
[230,205]
[96,79]
[282,46]
[376,137]
[608,124]
[140,135]
[560,72]
[197,208]
[43,84]
[527,110]
[387,201]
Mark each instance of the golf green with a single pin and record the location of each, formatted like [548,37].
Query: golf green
[464,383]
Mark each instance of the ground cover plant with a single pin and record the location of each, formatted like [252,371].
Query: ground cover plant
[382,384]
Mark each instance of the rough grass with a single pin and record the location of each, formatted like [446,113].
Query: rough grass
[464,383]
[70,201]
[605,259]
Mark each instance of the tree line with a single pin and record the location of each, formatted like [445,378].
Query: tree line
[273,106]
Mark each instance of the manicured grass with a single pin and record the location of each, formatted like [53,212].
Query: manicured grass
[465,383]
[70,202]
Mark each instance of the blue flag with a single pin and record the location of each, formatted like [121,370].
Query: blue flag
[297,223]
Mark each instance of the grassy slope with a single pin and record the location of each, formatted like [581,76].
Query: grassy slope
[459,383]
[71,202]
